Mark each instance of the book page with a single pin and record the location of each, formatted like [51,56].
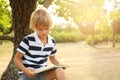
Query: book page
[48,68]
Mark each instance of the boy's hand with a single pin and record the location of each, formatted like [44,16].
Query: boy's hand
[30,73]
[63,66]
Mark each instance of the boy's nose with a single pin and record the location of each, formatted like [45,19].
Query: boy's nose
[44,32]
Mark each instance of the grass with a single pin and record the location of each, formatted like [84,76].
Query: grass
[85,62]
[6,48]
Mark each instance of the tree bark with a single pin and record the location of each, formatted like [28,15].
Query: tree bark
[114,37]
[7,38]
[21,12]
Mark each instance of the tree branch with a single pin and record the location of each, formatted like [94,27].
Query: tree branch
[46,3]
[7,38]
[10,30]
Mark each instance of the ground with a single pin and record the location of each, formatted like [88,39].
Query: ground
[85,62]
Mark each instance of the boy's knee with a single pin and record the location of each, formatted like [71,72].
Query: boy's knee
[60,75]
[59,70]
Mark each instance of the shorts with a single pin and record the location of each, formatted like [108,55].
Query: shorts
[41,76]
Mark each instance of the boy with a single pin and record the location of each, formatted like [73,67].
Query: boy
[34,50]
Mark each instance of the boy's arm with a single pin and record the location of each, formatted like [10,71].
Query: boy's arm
[19,64]
[54,60]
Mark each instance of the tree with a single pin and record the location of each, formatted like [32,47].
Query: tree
[116,30]
[115,18]
[83,12]
[21,12]
[80,10]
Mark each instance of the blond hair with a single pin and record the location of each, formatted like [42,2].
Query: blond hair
[40,17]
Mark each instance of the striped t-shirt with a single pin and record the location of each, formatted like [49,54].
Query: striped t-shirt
[35,53]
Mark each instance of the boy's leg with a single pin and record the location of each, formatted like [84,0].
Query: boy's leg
[57,74]
[22,76]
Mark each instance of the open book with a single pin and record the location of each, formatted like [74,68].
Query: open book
[48,68]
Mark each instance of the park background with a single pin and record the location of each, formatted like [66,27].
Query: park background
[87,33]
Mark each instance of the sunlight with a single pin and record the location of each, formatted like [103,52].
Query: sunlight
[76,0]
[109,5]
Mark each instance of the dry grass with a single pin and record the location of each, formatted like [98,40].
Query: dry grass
[6,50]
[85,62]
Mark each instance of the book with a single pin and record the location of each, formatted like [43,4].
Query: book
[49,68]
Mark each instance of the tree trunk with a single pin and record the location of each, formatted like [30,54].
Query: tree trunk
[21,12]
[114,37]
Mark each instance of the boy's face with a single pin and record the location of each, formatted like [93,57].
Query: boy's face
[43,32]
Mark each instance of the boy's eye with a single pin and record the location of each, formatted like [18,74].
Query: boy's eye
[40,29]
[46,29]
[43,29]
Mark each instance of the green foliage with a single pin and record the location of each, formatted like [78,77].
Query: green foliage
[5,16]
[115,18]
[64,8]
[98,38]
[103,27]
[90,40]
[40,1]
[115,15]
[118,39]
[67,34]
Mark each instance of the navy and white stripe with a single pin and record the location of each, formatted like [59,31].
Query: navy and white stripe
[35,53]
